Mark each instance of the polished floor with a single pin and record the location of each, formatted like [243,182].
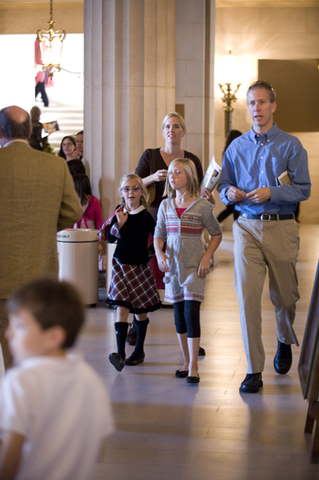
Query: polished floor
[167,429]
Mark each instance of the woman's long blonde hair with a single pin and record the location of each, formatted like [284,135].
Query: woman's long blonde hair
[137,178]
[191,176]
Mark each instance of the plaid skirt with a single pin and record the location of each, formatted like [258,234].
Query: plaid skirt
[133,287]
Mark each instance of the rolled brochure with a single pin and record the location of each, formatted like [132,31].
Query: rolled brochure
[211,178]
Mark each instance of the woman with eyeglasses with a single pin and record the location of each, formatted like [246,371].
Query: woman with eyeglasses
[68,148]
[132,288]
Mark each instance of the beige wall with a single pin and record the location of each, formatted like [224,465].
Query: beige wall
[266,33]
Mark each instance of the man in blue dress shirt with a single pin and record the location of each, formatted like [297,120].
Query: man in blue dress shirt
[265,174]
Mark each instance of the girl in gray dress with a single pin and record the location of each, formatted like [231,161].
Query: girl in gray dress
[180,222]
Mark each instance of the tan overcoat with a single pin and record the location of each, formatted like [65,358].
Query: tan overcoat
[37,199]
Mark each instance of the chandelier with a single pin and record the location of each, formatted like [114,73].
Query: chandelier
[51,42]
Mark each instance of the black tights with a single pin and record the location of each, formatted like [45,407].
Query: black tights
[186,315]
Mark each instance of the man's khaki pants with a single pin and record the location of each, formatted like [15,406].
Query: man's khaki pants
[259,245]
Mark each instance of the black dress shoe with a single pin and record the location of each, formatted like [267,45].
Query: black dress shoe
[181,373]
[117,361]
[252,383]
[135,359]
[283,358]
[201,352]
[192,379]
[131,335]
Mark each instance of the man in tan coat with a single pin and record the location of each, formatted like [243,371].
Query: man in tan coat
[37,199]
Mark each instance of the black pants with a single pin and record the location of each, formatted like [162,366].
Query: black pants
[40,88]
[186,315]
[230,209]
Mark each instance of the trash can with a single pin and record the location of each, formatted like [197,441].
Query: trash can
[78,261]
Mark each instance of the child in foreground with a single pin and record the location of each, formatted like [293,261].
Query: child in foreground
[132,287]
[54,409]
[180,222]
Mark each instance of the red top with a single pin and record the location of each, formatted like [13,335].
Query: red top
[180,211]
[92,215]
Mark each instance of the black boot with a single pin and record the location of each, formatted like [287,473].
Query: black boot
[138,355]
[118,359]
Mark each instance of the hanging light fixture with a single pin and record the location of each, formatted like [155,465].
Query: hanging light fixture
[51,42]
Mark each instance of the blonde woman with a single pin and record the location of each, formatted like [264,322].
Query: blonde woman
[181,220]
[153,164]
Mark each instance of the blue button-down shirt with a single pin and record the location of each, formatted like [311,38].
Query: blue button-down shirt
[252,161]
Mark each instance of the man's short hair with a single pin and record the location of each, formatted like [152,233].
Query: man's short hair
[266,86]
[11,128]
[51,303]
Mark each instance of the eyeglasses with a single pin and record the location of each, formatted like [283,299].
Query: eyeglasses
[67,144]
[136,188]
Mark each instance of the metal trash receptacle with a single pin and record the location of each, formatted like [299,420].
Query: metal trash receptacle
[78,261]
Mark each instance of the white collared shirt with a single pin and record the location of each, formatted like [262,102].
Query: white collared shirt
[134,212]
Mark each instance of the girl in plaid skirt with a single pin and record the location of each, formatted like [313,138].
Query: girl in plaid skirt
[132,288]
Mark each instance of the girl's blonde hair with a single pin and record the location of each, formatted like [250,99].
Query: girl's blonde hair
[191,176]
[139,182]
[174,114]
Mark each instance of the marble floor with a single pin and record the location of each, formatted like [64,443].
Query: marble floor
[168,429]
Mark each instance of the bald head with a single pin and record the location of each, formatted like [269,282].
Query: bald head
[14,123]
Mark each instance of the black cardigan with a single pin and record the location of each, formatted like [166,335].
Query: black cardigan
[132,245]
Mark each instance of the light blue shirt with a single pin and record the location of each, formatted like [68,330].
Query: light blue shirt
[252,161]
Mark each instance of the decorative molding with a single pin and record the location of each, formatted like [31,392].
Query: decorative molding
[39,6]
[218,4]
[267,4]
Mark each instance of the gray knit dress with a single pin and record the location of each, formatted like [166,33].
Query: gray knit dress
[185,247]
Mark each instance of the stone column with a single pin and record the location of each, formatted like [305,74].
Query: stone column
[195,38]
[129,86]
